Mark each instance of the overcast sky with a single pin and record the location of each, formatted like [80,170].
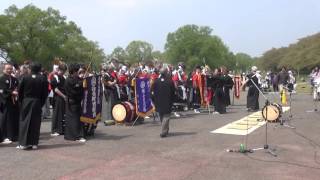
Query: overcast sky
[249,26]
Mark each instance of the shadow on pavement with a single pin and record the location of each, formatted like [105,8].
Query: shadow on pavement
[108,137]
[54,146]
[45,136]
[181,134]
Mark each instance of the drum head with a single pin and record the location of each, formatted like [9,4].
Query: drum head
[119,113]
[271,113]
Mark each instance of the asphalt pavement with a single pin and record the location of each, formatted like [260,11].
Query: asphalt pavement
[189,152]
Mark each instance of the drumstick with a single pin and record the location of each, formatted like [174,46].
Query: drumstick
[87,69]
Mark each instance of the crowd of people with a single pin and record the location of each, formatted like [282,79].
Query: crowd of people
[24,92]
[27,91]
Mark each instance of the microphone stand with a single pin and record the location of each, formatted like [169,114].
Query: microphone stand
[266,145]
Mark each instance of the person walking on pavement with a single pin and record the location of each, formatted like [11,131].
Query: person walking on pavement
[163,91]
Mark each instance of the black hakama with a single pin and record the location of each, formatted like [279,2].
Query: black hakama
[9,120]
[58,115]
[9,110]
[253,98]
[30,122]
[253,93]
[33,91]
[228,84]
[110,94]
[219,99]
[74,128]
[196,98]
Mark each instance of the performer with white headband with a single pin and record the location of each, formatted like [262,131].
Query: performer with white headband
[253,92]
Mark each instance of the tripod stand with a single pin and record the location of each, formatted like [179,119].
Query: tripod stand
[289,118]
[315,98]
[266,146]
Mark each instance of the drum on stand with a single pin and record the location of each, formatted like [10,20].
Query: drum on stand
[272,112]
[124,112]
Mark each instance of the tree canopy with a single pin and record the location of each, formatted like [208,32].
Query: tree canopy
[301,56]
[139,51]
[30,33]
[190,44]
[33,34]
[196,45]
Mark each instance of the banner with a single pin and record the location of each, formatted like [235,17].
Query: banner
[144,105]
[92,100]
[237,86]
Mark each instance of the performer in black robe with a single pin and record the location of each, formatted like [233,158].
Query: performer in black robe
[189,86]
[253,92]
[228,84]
[219,95]
[164,91]
[110,91]
[33,92]
[74,128]
[58,116]
[9,110]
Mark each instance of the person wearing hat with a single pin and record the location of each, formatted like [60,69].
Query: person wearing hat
[253,92]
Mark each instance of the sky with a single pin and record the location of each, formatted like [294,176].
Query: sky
[248,26]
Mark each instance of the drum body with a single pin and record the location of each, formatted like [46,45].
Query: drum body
[272,112]
[124,112]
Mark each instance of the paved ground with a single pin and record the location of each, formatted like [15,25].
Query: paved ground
[190,152]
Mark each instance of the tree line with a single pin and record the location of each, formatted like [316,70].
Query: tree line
[191,44]
[301,56]
[42,35]
[30,33]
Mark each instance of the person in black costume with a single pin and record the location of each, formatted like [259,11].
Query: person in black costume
[164,91]
[219,95]
[33,92]
[253,92]
[110,91]
[227,85]
[74,128]
[9,110]
[60,98]
[190,91]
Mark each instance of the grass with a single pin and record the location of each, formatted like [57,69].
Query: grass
[303,87]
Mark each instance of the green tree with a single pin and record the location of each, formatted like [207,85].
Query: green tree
[158,55]
[34,34]
[119,53]
[196,45]
[243,62]
[139,51]
[301,56]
